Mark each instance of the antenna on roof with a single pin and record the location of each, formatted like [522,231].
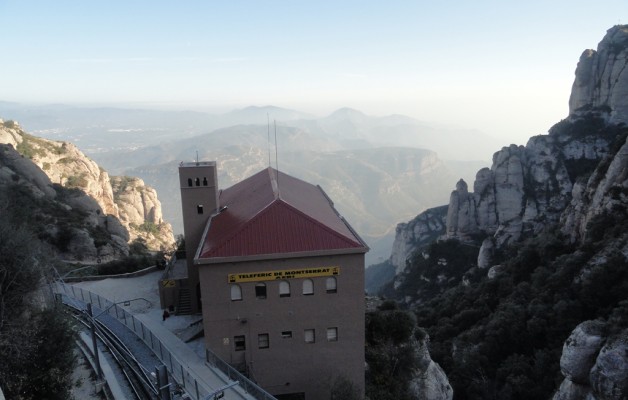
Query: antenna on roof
[268,120]
[196,157]
[276,158]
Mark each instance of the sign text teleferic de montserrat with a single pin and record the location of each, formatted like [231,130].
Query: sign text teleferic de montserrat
[284,274]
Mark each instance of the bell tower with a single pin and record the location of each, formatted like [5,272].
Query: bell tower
[198,182]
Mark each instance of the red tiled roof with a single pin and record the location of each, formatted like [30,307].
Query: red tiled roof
[271,212]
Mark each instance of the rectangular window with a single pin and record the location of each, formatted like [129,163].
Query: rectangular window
[310,336]
[239,342]
[286,335]
[332,334]
[199,209]
[330,284]
[263,342]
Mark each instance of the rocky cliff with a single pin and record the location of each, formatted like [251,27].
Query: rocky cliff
[130,209]
[595,366]
[417,233]
[545,235]
[602,77]
[569,175]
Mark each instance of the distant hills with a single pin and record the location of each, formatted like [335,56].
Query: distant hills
[378,170]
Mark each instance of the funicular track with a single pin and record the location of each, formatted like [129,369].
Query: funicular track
[135,374]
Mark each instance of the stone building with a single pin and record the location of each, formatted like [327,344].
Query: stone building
[280,276]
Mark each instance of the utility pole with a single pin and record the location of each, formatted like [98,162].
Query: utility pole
[92,325]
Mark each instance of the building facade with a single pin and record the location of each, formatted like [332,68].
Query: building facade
[281,278]
[198,183]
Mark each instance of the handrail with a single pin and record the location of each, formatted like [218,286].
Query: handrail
[179,370]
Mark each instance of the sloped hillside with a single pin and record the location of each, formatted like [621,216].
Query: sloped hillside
[538,251]
[127,200]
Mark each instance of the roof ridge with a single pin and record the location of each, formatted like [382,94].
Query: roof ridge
[292,208]
[320,224]
[274,182]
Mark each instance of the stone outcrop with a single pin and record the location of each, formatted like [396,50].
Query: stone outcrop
[595,367]
[428,381]
[602,76]
[70,223]
[549,180]
[133,212]
[140,209]
[603,191]
[421,231]
[580,351]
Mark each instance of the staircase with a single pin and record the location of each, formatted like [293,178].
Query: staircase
[185,301]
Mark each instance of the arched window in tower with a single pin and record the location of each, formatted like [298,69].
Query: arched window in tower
[197,182]
[308,287]
[199,209]
[189,181]
[204,181]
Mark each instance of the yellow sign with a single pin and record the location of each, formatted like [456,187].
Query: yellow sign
[284,274]
[168,283]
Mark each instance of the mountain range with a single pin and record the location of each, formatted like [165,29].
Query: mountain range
[378,170]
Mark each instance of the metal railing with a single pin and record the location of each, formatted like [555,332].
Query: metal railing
[180,372]
[233,374]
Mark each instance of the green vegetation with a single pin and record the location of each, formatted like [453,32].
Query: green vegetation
[77,181]
[10,124]
[120,184]
[42,213]
[36,345]
[343,389]
[126,265]
[389,354]
[148,227]
[32,146]
[448,263]
[508,332]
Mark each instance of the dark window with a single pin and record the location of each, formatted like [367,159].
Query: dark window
[284,289]
[263,341]
[204,181]
[189,181]
[260,290]
[286,334]
[239,343]
[331,285]
[199,209]
[197,181]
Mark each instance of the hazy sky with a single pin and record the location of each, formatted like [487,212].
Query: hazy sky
[504,67]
